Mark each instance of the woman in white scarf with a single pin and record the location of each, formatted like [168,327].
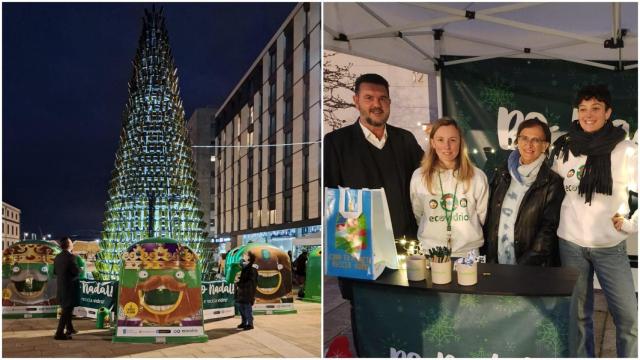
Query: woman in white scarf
[524,204]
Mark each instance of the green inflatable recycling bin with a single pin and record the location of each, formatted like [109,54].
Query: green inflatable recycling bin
[103,314]
[312,289]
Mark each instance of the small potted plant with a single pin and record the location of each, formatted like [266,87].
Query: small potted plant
[440,258]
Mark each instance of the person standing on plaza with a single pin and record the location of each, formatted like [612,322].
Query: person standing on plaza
[448,194]
[246,290]
[373,154]
[300,265]
[524,203]
[66,271]
[599,168]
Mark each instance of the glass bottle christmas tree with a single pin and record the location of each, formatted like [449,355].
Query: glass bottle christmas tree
[153,191]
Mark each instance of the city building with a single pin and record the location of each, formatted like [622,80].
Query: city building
[10,225]
[264,188]
[199,128]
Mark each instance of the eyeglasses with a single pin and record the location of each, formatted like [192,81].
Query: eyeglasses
[527,140]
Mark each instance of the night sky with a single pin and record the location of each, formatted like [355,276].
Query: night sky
[65,69]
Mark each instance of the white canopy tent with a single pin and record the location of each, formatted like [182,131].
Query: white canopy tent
[415,35]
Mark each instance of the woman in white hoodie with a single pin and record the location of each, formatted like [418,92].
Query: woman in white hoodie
[448,194]
[599,168]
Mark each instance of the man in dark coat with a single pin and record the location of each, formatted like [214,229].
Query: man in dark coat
[246,290]
[373,154]
[66,270]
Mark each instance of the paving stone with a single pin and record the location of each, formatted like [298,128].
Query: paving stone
[34,338]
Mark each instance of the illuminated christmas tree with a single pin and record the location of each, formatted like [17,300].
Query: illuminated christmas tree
[153,191]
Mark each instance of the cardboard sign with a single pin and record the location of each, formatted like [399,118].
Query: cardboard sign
[273,294]
[28,282]
[159,295]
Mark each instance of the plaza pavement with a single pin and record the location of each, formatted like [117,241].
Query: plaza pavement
[289,335]
[337,320]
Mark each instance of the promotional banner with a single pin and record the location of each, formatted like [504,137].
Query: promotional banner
[438,324]
[491,98]
[218,300]
[160,294]
[28,281]
[273,294]
[93,295]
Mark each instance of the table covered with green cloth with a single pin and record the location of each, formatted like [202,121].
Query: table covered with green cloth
[513,311]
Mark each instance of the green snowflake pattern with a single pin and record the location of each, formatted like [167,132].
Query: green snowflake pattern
[497,92]
[480,353]
[508,304]
[550,336]
[441,331]
[469,301]
[393,342]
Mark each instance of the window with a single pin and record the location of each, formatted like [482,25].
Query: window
[287,209]
[287,176]
[288,110]
[272,217]
[250,138]
[272,123]
[305,204]
[288,139]
[272,60]
[251,114]
[272,93]
[272,181]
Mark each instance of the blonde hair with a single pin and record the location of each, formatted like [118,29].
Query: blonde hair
[430,162]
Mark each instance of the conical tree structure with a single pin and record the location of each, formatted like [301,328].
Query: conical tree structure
[153,191]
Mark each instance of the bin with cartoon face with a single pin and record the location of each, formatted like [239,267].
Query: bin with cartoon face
[273,294]
[159,297]
[28,282]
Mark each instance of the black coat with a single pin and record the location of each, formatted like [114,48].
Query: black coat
[536,241]
[348,162]
[66,269]
[246,285]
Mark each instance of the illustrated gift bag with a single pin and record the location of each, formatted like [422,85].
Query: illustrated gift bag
[358,236]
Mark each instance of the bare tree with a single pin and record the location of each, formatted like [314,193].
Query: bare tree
[336,79]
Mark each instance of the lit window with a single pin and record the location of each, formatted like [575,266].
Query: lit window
[272,216]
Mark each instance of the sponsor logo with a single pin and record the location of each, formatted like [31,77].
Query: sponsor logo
[570,188]
[433,204]
[580,172]
[448,202]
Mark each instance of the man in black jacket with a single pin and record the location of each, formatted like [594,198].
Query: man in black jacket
[66,270]
[373,154]
[246,291]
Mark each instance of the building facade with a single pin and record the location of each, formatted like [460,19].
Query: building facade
[10,225]
[267,139]
[199,128]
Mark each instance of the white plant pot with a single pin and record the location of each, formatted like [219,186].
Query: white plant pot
[416,268]
[441,272]
[467,274]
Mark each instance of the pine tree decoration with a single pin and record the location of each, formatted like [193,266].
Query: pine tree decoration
[153,191]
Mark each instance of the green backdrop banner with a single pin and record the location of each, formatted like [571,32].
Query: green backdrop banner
[416,324]
[490,98]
